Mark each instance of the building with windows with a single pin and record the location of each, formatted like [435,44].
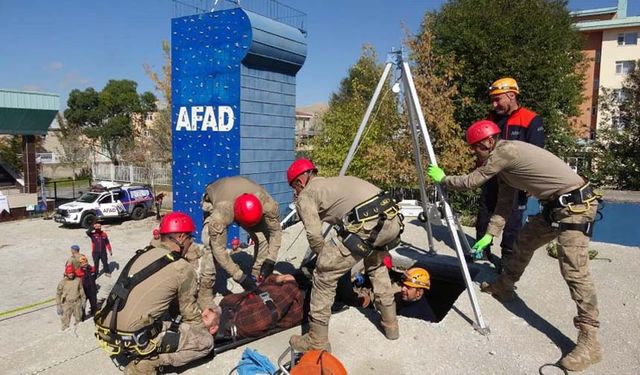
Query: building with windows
[308,124]
[612,49]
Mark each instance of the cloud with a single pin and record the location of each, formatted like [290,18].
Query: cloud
[55,65]
[73,79]
[32,87]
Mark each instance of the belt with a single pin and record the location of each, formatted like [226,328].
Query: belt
[139,342]
[581,195]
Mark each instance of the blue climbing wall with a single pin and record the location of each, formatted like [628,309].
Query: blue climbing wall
[233,110]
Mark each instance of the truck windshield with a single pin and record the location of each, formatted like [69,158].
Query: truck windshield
[88,197]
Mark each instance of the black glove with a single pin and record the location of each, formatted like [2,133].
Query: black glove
[248,283]
[266,269]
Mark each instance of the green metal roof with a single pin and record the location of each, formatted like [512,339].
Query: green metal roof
[609,24]
[27,113]
[594,12]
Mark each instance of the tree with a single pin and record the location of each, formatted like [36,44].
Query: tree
[159,137]
[532,41]
[11,151]
[434,79]
[615,153]
[384,156]
[107,117]
[74,152]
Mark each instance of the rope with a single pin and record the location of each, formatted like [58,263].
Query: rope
[26,307]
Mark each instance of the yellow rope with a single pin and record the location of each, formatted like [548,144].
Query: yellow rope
[26,307]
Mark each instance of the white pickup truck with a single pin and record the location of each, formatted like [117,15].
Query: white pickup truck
[125,201]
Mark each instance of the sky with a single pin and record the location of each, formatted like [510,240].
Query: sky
[57,46]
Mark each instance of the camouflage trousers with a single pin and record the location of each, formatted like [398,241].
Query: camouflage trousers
[333,262]
[71,308]
[573,257]
[194,343]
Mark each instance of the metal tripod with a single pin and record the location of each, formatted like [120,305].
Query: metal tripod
[407,91]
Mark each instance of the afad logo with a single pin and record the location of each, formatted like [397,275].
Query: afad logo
[204,118]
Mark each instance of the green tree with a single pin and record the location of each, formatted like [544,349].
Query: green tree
[615,153]
[11,151]
[532,41]
[384,154]
[107,116]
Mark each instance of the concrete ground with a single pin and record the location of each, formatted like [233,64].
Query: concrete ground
[532,331]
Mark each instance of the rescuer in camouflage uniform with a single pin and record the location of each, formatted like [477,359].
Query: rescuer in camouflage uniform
[241,200]
[569,209]
[70,297]
[333,200]
[147,306]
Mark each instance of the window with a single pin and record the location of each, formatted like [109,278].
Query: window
[626,39]
[106,199]
[625,67]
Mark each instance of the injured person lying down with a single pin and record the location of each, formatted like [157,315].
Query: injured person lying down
[276,304]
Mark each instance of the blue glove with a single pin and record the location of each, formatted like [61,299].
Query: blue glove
[358,279]
[436,173]
[479,246]
[59,310]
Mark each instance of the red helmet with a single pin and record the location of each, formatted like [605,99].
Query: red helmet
[247,210]
[176,222]
[69,269]
[235,242]
[299,167]
[480,130]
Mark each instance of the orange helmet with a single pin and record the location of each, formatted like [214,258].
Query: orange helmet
[318,362]
[247,210]
[502,85]
[176,222]
[417,277]
[299,167]
[480,130]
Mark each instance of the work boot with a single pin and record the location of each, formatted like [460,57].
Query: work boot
[502,289]
[317,338]
[389,321]
[587,351]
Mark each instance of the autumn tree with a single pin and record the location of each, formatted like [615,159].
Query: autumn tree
[616,159]
[74,152]
[158,138]
[384,156]
[533,41]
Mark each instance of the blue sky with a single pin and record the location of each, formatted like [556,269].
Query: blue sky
[56,46]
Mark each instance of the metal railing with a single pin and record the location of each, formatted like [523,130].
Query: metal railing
[268,8]
[157,175]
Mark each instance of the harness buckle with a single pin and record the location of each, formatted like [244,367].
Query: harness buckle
[561,199]
[265,297]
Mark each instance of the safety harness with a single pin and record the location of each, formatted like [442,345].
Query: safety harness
[381,207]
[584,195]
[140,343]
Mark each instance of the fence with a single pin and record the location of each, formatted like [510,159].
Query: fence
[156,175]
[63,191]
[268,8]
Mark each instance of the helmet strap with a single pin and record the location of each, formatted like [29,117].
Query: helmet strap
[175,241]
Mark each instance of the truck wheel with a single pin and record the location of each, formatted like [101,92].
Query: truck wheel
[87,220]
[138,213]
